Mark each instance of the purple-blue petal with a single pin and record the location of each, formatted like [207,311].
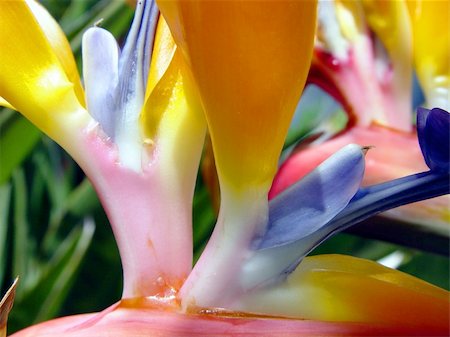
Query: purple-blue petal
[134,62]
[375,199]
[433,128]
[311,203]
[299,217]
[115,82]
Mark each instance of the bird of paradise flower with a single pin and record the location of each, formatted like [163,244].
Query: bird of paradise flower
[138,135]
[363,56]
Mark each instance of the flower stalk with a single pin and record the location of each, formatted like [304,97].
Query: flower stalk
[234,68]
[129,175]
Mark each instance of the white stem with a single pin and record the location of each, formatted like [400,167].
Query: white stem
[215,280]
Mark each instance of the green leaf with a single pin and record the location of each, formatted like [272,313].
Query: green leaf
[80,14]
[6,115]
[21,241]
[204,218]
[5,198]
[429,267]
[45,299]
[83,199]
[17,138]
[115,17]
[57,188]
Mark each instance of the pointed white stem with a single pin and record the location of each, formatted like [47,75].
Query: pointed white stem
[215,279]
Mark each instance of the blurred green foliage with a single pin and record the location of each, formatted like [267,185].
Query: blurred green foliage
[54,233]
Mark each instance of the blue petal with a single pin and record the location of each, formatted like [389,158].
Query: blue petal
[115,85]
[292,233]
[133,71]
[316,199]
[375,199]
[298,217]
[135,59]
[100,73]
[271,265]
[433,128]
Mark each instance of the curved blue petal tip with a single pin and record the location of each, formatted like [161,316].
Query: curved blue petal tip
[299,217]
[308,205]
[433,129]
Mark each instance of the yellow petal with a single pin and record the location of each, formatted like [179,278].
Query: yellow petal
[172,114]
[173,109]
[351,18]
[431,27]
[389,20]
[59,44]
[362,290]
[163,50]
[249,60]
[5,103]
[31,76]
[345,288]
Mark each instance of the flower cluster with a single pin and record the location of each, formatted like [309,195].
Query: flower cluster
[137,127]
[365,54]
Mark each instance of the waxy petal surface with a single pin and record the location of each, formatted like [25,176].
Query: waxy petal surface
[299,218]
[127,321]
[32,78]
[308,205]
[163,50]
[59,44]
[344,288]
[250,72]
[100,73]
[5,104]
[387,160]
[431,27]
[154,107]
